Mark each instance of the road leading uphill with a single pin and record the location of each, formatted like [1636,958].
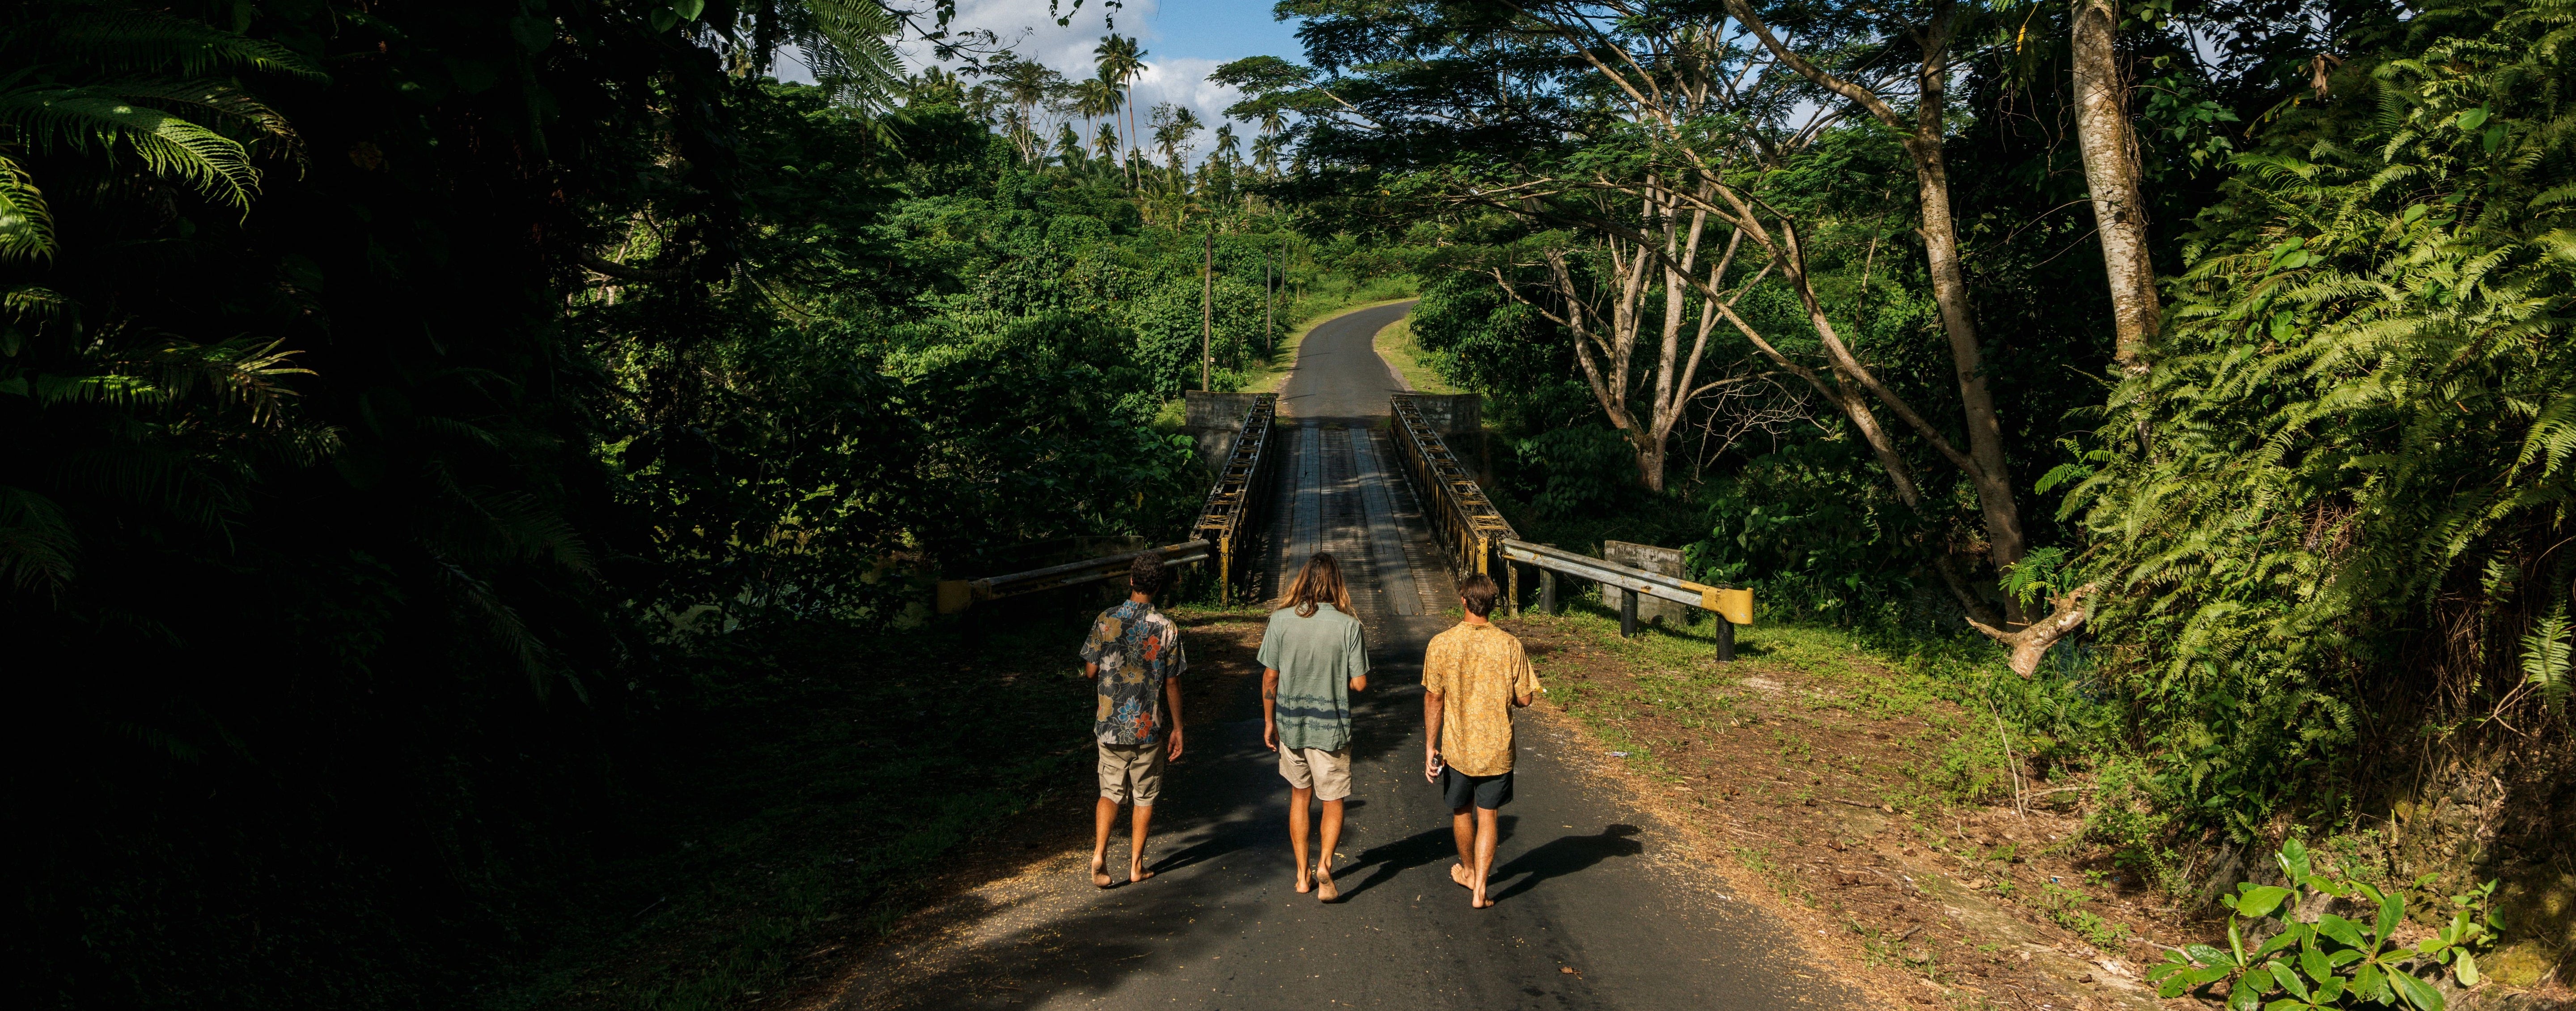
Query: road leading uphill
[1597,907]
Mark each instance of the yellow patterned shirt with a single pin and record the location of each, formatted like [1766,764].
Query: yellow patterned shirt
[1476,670]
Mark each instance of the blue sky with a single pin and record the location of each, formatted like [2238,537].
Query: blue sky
[1184,40]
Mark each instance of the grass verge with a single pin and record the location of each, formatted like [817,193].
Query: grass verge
[1395,343]
[1275,374]
[1865,793]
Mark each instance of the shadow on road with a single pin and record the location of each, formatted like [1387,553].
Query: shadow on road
[1563,856]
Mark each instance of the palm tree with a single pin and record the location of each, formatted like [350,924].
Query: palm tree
[1105,142]
[1174,125]
[1122,60]
[1265,153]
[1068,146]
[1226,144]
[1094,98]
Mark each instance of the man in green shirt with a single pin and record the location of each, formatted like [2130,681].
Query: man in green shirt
[1313,656]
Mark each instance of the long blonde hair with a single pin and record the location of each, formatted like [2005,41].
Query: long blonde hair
[1319,582]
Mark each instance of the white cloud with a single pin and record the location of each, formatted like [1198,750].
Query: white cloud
[1029,30]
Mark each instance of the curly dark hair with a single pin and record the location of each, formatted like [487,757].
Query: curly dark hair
[1146,574]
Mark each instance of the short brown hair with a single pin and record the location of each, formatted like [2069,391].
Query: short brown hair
[1146,575]
[1319,582]
[1479,593]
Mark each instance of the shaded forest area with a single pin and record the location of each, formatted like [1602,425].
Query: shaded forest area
[426,422]
[436,431]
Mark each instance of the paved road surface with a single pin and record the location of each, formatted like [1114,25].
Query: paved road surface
[1583,882]
[1338,373]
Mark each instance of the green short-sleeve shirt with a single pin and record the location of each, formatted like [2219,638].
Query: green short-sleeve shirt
[1316,657]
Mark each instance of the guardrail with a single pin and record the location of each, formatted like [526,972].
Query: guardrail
[1734,607]
[1470,528]
[1224,527]
[959,594]
[1243,488]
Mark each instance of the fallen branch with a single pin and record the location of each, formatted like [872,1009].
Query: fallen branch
[2032,642]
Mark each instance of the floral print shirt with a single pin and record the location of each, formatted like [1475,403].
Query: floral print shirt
[1137,649]
[1476,670]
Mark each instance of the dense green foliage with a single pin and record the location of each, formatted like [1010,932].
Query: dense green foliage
[2358,445]
[2323,519]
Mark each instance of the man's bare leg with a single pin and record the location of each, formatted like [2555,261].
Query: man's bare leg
[1486,831]
[1104,814]
[1299,823]
[1462,825]
[1324,888]
[1136,845]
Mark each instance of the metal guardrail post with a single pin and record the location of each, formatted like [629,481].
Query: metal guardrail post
[1732,606]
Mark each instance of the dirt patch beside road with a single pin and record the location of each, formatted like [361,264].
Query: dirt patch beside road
[1814,778]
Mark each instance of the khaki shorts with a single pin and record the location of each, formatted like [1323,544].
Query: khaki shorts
[1137,764]
[1328,773]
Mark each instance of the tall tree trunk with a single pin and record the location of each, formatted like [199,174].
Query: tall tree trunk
[2111,172]
[1992,476]
[1987,469]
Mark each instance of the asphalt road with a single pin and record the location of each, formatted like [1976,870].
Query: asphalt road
[1598,908]
[1338,373]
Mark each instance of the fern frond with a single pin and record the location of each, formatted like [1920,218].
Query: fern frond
[86,119]
[145,42]
[2544,657]
[220,103]
[26,225]
[36,542]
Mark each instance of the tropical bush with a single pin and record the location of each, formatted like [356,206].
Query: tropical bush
[2286,951]
[2332,501]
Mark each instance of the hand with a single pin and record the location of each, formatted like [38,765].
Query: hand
[1270,736]
[1430,766]
[1176,743]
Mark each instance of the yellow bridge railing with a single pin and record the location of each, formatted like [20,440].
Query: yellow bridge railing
[1243,489]
[1470,529]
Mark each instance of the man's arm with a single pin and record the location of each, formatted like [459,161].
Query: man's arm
[1172,704]
[1091,670]
[1430,733]
[1357,649]
[1270,708]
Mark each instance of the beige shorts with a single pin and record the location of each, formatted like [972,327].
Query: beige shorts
[1138,764]
[1328,773]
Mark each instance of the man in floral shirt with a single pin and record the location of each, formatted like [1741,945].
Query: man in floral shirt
[1134,654]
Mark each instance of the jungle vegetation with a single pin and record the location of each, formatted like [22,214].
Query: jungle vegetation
[411,411]
[2206,355]
[400,397]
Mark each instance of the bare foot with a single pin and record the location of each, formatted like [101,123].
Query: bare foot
[1464,877]
[1324,889]
[1304,884]
[1479,901]
[1099,873]
[1136,874]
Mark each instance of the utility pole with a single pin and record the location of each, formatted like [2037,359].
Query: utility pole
[1207,311]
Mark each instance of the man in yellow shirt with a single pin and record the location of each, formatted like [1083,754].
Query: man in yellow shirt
[1473,676]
